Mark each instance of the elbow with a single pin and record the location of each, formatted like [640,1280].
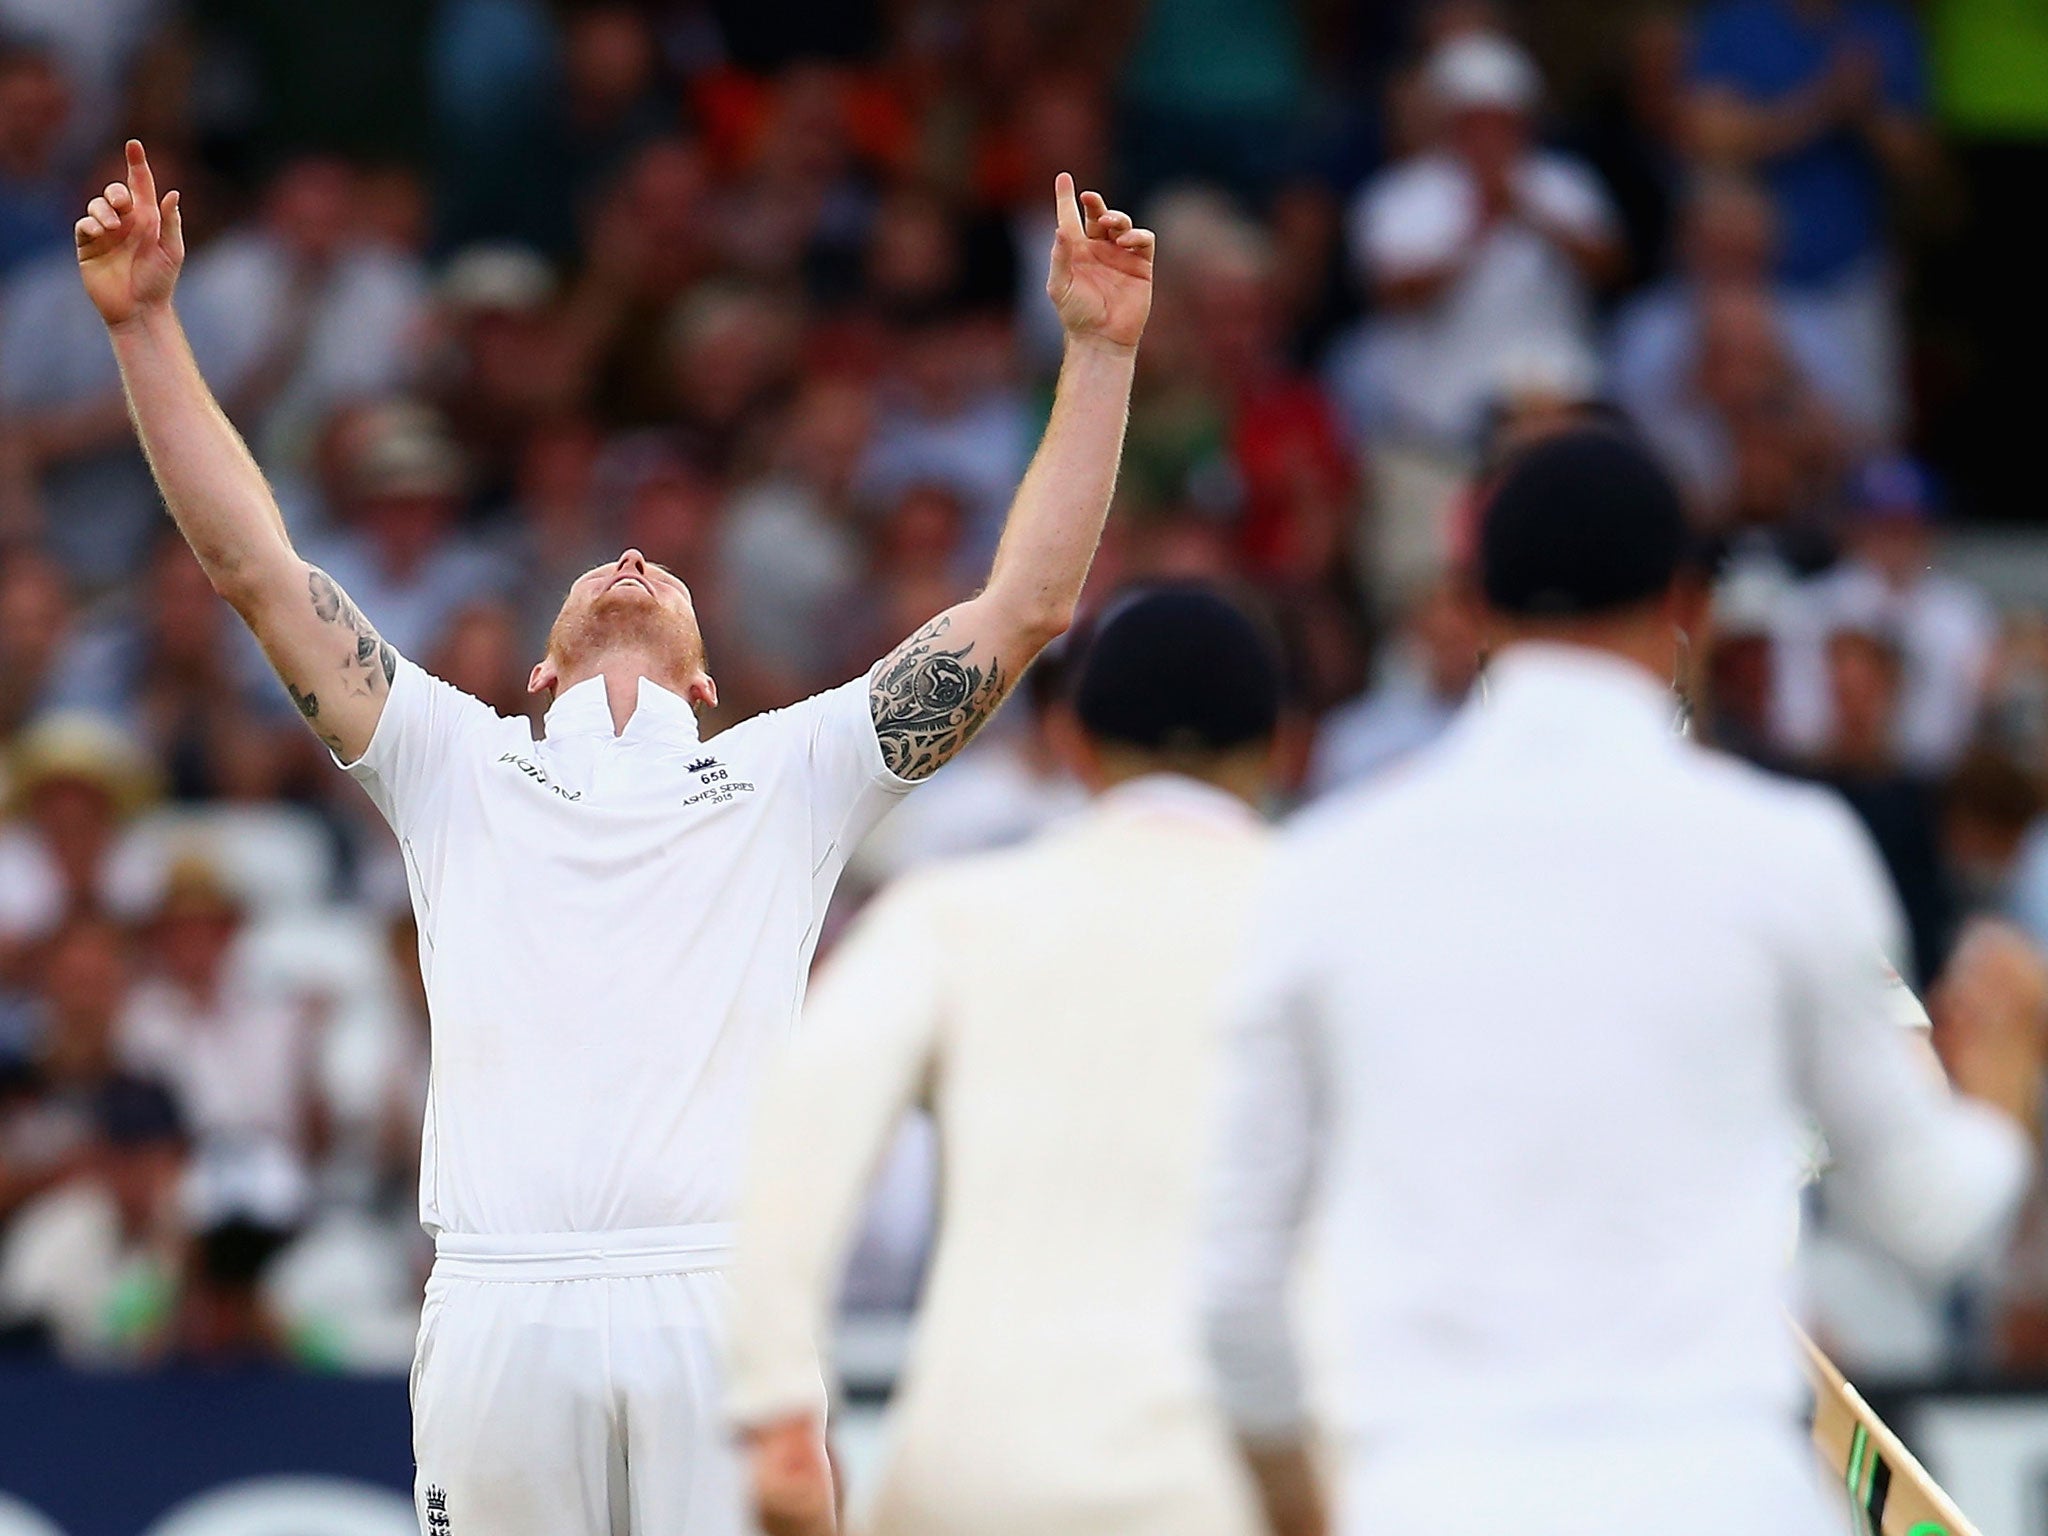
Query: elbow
[1044,623]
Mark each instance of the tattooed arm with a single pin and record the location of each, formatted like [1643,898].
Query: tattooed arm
[934,691]
[335,666]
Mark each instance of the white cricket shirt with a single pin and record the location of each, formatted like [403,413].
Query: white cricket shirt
[1531,1029]
[615,931]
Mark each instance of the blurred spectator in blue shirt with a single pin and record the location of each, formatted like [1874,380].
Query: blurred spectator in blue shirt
[36,209]
[1820,95]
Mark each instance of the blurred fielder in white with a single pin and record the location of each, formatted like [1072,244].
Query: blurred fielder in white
[615,921]
[1527,1033]
[1057,1008]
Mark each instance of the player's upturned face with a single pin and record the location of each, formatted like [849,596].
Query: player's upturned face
[630,606]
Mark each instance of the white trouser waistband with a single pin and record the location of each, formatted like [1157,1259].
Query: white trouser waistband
[621,1254]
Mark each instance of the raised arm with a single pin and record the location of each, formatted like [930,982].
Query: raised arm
[336,668]
[932,693]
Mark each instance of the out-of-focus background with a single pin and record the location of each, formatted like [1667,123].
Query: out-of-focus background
[495,287]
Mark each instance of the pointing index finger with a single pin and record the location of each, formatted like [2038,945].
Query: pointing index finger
[140,179]
[1063,201]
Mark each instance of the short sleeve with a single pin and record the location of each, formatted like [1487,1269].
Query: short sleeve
[404,765]
[850,786]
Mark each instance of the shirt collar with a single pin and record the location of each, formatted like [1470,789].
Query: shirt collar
[1546,685]
[1176,795]
[584,710]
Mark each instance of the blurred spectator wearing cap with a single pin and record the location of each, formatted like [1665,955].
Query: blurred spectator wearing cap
[1824,99]
[74,781]
[89,1266]
[238,1059]
[1945,628]
[1480,247]
[1727,237]
[398,548]
[1735,666]
[306,309]
[1103,942]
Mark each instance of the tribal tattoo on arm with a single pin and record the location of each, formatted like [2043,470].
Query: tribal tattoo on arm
[928,699]
[368,659]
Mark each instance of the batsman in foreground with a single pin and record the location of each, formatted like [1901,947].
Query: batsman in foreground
[615,921]
[1551,1185]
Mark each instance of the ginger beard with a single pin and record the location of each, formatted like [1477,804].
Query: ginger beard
[654,624]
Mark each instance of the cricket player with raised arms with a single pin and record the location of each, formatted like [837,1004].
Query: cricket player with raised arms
[616,920]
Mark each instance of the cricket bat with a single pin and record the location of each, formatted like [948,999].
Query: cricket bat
[1890,1494]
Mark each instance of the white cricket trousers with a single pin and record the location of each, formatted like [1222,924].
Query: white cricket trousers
[567,1385]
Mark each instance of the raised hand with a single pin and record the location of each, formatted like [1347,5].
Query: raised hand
[130,244]
[1101,279]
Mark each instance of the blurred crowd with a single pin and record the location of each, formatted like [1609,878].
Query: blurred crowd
[497,287]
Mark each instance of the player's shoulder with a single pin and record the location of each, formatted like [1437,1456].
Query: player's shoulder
[1791,820]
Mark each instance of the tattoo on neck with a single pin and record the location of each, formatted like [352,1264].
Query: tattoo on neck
[928,700]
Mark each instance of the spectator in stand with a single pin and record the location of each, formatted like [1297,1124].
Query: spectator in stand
[483,655]
[306,311]
[1632,132]
[1945,627]
[75,781]
[35,626]
[191,686]
[75,480]
[1481,249]
[1750,441]
[1293,467]
[649,242]
[790,550]
[1423,680]
[239,1060]
[1061,125]
[1727,241]
[35,195]
[1990,810]
[949,415]
[89,1266]
[732,353]
[1824,99]
[503,368]
[1901,808]
[51,1100]
[1210,89]
[554,526]
[1737,662]
[917,556]
[96,44]
[397,545]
